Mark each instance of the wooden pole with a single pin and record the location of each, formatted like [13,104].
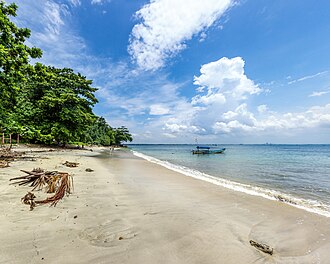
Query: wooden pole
[3,138]
[9,138]
[17,139]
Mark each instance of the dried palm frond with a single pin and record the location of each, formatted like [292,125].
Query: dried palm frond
[66,185]
[38,170]
[29,200]
[52,181]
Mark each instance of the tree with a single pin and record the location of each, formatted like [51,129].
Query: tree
[100,133]
[57,102]
[43,103]
[14,59]
[122,135]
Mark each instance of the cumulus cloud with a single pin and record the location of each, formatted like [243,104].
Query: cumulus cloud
[223,86]
[221,107]
[167,24]
[245,121]
[224,78]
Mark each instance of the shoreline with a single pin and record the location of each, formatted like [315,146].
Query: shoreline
[130,210]
[301,203]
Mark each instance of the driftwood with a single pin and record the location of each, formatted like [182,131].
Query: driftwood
[262,247]
[60,183]
[71,164]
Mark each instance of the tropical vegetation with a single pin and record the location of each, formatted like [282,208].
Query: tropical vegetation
[45,104]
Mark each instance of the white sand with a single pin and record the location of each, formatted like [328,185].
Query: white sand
[132,211]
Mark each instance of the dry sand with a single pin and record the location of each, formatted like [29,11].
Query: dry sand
[132,211]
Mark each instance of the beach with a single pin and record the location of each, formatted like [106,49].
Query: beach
[129,210]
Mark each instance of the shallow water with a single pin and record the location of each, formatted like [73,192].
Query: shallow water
[295,174]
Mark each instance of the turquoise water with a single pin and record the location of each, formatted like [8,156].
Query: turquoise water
[295,174]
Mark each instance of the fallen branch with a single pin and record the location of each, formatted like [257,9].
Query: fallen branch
[262,247]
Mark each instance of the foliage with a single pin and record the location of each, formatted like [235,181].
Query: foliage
[57,102]
[100,133]
[14,59]
[122,135]
[43,103]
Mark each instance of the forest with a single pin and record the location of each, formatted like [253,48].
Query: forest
[44,104]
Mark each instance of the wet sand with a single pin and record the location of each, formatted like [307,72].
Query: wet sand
[132,211]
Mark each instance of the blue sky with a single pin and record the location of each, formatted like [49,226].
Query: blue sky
[221,71]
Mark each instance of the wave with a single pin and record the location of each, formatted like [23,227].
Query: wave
[304,204]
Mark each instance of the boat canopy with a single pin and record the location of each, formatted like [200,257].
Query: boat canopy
[203,147]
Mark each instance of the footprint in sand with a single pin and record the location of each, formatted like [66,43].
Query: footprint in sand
[109,234]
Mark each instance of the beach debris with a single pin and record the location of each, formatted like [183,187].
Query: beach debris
[8,155]
[4,164]
[284,199]
[71,164]
[89,170]
[29,200]
[60,183]
[262,247]
[65,187]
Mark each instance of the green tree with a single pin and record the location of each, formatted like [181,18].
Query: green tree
[57,102]
[122,135]
[14,59]
[100,133]
[44,103]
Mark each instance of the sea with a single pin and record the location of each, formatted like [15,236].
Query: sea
[298,175]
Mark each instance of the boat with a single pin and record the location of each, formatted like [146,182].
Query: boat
[207,150]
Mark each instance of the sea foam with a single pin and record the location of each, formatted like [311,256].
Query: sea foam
[304,204]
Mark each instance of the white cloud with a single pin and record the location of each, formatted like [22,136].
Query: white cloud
[223,86]
[245,121]
[75,2]
[224,78]
[176,128]
[231,115]
[262,108]
[314,94]
[158,109]
[52,31]
[168,135]
[307,77]
[167,24]
[99,2]
[52,18]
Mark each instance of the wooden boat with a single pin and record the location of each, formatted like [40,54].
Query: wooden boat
[207,150]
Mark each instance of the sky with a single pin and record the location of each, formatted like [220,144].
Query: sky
[177,71]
